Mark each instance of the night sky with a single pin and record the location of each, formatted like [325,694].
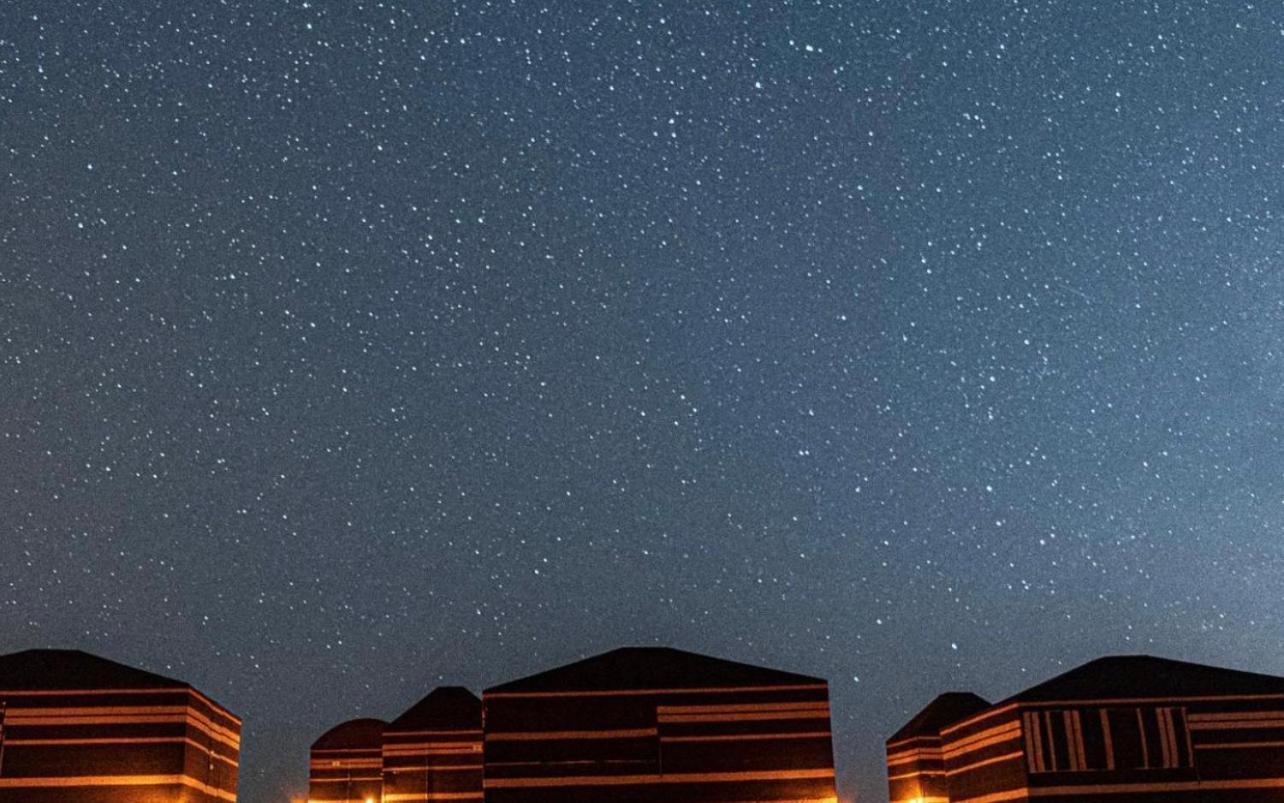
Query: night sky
[352,347]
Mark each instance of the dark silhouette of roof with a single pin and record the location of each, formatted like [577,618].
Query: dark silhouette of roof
[352,735]
[57,670]
[445,708]
[652,668]
[1119,676]
[942,712]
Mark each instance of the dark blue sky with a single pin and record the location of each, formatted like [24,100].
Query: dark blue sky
[347,348]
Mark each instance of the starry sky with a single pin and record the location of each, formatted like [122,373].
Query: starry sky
[348,348]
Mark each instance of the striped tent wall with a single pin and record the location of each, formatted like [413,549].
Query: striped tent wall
[1238,739]
[430,765]
[916,768]
[1210,750]
[916,771]
[984,757]
[433,752]
[743,744]
[117,746]
[1178,750]
[1119,729]
[346,764]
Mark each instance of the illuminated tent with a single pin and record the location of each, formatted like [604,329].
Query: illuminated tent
[1120,729]
[915,759]
[658,724]
[347,763]
[434,750]
[77,728]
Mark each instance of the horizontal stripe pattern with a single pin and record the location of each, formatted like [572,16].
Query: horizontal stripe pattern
[436,765]
[118,745]
[1228,750]
[657,778]
[68,785]
[346,765]
[709,743]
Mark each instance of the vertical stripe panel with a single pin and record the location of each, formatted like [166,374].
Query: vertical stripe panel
[1072,750]
[1141,731]
[1110,744]
[1031,760]
[1190,748]
[1078,740]
[1053,747]
[1165,737]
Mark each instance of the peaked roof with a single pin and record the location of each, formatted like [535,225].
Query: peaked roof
[942,712]
[445,708]
[1118,676]
[648,668]
[58,670]
[353,734]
